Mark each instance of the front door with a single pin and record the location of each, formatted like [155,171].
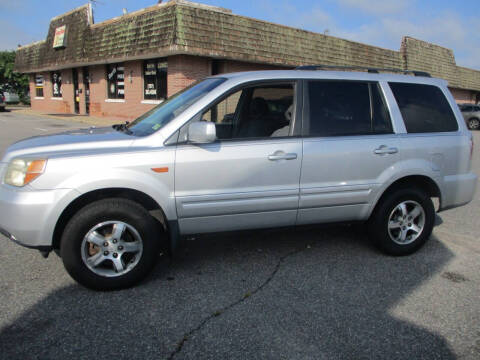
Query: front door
[76,92]
[86,86]
[348,149]
[249,177]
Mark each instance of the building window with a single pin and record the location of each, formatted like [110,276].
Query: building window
[155,79]
[116,81]
[39,85]
[57,84]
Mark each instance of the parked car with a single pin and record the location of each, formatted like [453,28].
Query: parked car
[357,146]
[11,98]
[471,114]
[2,101]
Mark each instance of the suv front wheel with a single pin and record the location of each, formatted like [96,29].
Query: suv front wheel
[473,124]
[110,244]
[402,222]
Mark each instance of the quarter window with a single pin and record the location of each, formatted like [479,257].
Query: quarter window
[155,79]
[116,81]
[342,108]
[57,84]
[424,108]
[39,83]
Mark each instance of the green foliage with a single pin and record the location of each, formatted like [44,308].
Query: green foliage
[11,80]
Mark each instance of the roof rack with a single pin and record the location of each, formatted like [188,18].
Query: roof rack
[361,68]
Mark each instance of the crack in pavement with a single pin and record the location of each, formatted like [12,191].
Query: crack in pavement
[217,313]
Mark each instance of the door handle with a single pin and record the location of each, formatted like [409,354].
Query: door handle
[282,156]
[384,149]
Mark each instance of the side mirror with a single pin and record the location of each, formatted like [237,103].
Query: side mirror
[202,132]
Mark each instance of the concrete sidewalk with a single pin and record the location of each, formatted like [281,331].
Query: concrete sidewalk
[89,120]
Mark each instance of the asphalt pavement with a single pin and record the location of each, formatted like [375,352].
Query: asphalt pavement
[315,293]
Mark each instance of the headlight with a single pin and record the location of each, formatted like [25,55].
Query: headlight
[20,172]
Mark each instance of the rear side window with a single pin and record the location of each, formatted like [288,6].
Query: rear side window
[424,108]
[343,108]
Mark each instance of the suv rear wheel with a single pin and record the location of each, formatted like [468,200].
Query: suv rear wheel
[402,222]
[110,244]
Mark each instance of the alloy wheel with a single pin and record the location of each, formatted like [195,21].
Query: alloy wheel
[474,124]
[406,222]
[111,248]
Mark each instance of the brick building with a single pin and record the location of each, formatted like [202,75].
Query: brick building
[122,67]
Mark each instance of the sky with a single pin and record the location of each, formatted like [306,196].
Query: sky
[454,25]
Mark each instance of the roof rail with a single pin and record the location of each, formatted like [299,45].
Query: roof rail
[361,68]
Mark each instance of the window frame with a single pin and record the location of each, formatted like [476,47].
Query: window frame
[144,64]
[60,96]
[297,121]
[37,88]
[383,98]
[116,81]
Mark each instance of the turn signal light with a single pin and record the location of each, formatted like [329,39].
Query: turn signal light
[160,169]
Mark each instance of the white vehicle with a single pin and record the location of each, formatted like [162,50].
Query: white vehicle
[11,98]
[2,101]
[242,151]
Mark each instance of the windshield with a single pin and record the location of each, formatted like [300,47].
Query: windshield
[162,114]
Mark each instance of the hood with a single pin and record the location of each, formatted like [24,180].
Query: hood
[74,141]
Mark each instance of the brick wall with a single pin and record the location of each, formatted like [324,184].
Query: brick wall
[464,96]
[184,70]
[67,91]
[128,108]
[49,104]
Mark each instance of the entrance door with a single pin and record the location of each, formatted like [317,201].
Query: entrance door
[76,93]
[86,86]
[249,177]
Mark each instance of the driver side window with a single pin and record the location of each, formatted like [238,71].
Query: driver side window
[254,112]
[223,115]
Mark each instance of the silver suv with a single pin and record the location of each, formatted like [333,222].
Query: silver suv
[241,151]
[471,114]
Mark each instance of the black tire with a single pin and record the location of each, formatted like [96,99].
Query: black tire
[379,221]
[115,209]
[473,124]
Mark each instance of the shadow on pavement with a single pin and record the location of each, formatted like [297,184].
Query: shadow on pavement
[309,294]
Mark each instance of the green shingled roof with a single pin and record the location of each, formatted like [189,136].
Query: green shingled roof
[181,27]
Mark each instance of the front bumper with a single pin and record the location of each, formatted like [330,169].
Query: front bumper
[43,249]
[28,216]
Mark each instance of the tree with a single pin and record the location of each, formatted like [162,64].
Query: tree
[11,80]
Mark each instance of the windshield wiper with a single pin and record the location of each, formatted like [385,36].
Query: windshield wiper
[123,127]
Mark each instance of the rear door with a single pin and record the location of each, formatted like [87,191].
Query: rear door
[348,145]
[249,177]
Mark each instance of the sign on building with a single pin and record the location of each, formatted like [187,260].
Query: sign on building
[59,39]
